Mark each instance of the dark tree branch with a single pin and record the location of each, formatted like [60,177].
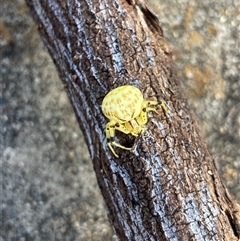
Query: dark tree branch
[167,186]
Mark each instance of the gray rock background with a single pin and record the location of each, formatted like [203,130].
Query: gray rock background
[49,189]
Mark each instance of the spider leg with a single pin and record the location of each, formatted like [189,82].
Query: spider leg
[113,143]
[147,106]
[121,146]
[111,148]
[110,134]
[164,106]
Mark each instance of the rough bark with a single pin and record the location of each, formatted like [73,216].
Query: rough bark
[167,187]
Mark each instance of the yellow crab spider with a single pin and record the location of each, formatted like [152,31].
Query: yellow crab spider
[126,110]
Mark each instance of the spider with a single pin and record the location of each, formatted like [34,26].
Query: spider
[127,111]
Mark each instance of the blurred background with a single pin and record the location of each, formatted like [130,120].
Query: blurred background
[49,190]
